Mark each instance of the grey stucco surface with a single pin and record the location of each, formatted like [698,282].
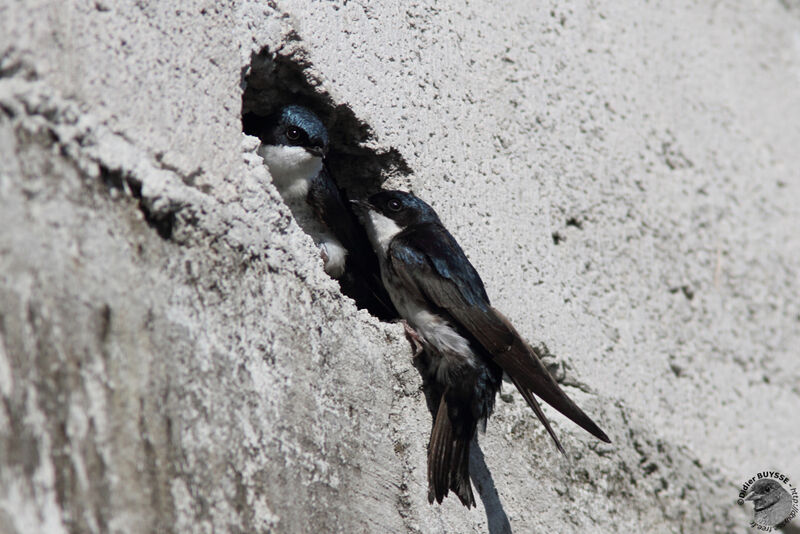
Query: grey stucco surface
[174,359]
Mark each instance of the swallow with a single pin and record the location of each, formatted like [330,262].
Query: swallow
[294,142]
[772,504]
[467,343]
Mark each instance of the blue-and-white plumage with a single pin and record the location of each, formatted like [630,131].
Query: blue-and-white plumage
[468,343]
[293,145]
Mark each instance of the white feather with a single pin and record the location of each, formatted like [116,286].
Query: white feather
[381,230]
[455,349]
[334,255]
[291,167]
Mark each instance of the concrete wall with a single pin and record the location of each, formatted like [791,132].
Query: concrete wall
[174,359]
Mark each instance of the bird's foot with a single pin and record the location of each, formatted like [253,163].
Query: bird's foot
[416,341]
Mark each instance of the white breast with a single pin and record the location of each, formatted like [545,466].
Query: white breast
[455,350]
[381,230]
[291,167]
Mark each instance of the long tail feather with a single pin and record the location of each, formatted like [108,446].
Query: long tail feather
[531,400]
[439,449]
[459,471]
[525,369]
[448,460]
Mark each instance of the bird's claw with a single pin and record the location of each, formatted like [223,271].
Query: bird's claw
[416,341]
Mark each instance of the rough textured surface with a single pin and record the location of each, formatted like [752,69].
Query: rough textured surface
[174,359]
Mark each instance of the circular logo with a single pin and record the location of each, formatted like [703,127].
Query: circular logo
[774,499]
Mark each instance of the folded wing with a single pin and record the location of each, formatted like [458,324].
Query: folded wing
[430,262]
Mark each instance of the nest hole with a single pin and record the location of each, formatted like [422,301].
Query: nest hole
[272,81]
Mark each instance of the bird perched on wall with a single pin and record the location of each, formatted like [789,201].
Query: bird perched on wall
[467,343]
[772,504]
[294,143]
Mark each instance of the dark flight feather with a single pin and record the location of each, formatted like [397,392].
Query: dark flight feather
[430,262]
[448,459]
[531,400]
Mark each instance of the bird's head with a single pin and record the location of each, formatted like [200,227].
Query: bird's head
[293,143]
[765,493]
[388,213]
[297,126]
[404,209]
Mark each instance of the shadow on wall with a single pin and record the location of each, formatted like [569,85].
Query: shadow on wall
[496,518]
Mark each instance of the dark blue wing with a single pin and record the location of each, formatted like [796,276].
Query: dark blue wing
[430,263]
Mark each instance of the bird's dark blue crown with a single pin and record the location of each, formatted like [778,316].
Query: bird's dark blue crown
[307,120]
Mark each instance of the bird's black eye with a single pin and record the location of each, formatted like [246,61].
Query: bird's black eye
[394,205]
[293,133]
[767,489]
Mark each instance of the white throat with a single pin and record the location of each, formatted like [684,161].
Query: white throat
[292,168]
[381,230]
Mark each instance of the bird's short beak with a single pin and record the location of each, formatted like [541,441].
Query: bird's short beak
[361,205]
[751,497]
[317,151]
